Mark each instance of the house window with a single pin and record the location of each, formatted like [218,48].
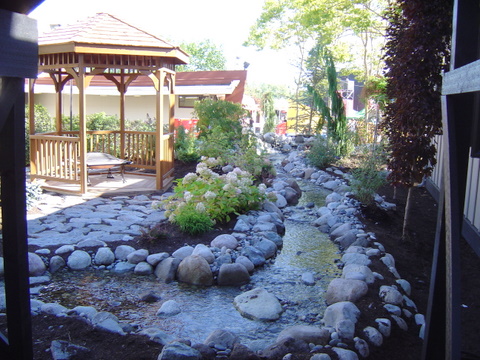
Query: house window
[187,101]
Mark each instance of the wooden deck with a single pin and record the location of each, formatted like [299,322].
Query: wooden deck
[101,185]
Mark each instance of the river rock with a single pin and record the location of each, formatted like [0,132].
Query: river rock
[183,252]
[179,351]
[166,270]
[340,230]
[123,267]
[195,270]
[308,333]
[227,240]
[255,255]
[242,352]
[292,196]
[154,259]
[345,329]
[308,278]
[258,304]
[242,226]
[267,247]
[233,274]
[79,260]
[362,347]
[390,295]
[56,263]
[343,310]
[36,266]
[273,236]
[286,346]
[169,308]
[137,256]
[358,272]
[345,290]
[281,202]
[345,354]
[373,336]
[245,262]
[122,251]
[271,207]
[53,309]
[405,285]
[143,268]
[384,325]
[104,256]
[205,252]
[64,350]
[346,240]
[354,258]
[222,339]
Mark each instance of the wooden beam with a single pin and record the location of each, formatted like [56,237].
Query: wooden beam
[82,110]
[462,80]
[14,223]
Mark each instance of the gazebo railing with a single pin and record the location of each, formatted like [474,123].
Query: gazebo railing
[55,158]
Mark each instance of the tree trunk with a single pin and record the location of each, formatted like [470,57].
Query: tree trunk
[406,216]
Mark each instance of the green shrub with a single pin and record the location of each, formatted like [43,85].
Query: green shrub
[212,195]
[322,153]
[368,178]
[219,116]
[185,149]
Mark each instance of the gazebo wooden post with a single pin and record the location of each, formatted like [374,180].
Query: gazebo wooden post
[82,125]
[59,105]
[31,121]
[122,89]
[160,75]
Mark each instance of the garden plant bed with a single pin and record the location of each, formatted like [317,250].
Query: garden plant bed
[413,261]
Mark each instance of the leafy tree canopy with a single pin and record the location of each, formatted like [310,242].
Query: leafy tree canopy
[417,50]
[259,90]
[204,56]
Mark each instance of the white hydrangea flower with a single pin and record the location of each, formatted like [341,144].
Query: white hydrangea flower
[210,195]
[171,218]
[200,207]
[228,187]
[189,178]
[262,188]
[187,195]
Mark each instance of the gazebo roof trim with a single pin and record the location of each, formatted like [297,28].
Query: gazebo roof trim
[104,29]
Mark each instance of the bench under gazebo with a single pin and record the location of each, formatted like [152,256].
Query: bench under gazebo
[104,45]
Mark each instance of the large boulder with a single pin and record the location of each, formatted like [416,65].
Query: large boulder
[204,251]
[179,351]
[345,290]
[308,333]
[258,304]
[79,260]
[344,310]
[233,274]
[166,270]
[227,240]
[194,270]
[36,266]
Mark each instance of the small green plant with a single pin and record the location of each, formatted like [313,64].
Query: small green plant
[367,178]
[322,153]
[193,222]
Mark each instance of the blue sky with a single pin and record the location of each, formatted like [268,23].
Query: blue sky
[225,22]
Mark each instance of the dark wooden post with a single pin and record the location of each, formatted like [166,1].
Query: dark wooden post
[18,60]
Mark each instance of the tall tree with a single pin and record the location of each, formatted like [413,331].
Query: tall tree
[268,109]
[417,51]
[204,56]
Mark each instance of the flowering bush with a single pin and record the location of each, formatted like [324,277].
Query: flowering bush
[208,195]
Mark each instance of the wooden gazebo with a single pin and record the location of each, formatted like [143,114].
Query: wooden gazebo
[104,45]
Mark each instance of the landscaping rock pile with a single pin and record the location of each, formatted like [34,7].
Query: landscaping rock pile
[230,260]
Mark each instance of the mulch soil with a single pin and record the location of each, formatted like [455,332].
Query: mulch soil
[413,258]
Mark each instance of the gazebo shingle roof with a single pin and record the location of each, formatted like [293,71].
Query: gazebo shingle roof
[102,29]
